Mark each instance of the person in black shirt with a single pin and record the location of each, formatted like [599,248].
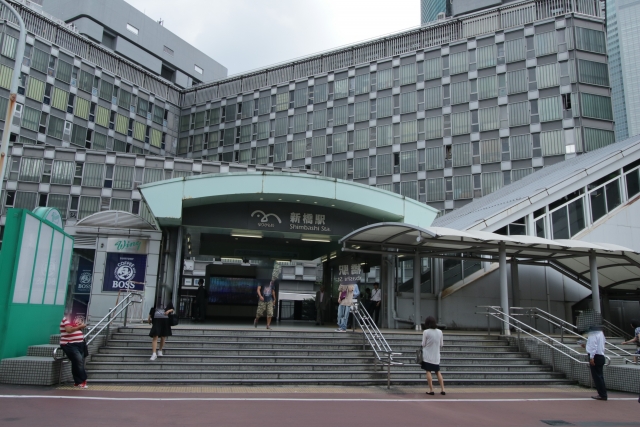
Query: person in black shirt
[201,301]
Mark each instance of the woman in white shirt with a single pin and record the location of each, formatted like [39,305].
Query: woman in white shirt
[432,342]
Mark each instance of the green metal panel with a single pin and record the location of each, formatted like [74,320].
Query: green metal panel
[28,323]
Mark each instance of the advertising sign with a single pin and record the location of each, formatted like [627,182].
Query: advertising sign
[84,276]
[124,272]
[129,246]
[349,274]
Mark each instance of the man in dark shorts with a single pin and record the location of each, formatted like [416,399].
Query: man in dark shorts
[267,300]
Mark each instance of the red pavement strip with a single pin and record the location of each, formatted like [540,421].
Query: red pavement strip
[69,408]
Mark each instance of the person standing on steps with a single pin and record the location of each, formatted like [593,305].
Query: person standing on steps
[73,345]
[635,324]
[432,343]
[267,297]
[322,304]
[376,301]
[201,300]
[161,327]
[345,301]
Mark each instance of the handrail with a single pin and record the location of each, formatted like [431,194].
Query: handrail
[535,311]
[613,328]
[500,315]
[110,317]
[379,345]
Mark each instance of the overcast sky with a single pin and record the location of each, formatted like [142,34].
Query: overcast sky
[246,34]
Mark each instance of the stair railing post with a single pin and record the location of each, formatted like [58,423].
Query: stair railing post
[126,313]
[389,371]
[108,325]
[553,356]
[488,325]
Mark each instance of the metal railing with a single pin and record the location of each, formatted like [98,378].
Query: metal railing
[613,329]
[569,329]
[107,320]
[521,327]
[371,334]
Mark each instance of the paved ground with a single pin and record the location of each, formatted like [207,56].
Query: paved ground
[311,406]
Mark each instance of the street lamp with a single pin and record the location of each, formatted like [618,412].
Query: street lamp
[13,89]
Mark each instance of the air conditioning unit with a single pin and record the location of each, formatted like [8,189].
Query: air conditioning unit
[66,132]
[51,72]
[114,100]
[17,115]
[94,91]
[46,100]
[148,116]
[74,82]
[132,108]
[92,118]
[164,123]
[26,62]
[441,16]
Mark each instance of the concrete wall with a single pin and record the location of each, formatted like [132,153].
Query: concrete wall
[620,228]
[114,15]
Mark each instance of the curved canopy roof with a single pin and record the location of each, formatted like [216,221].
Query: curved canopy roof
[618,266]
[166,199]
[115,219]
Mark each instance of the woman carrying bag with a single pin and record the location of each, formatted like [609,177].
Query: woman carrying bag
[432,342]
[159,317]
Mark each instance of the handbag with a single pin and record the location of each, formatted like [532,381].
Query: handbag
[419,356]
[173,320]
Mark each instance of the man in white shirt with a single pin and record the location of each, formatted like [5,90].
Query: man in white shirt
[376,301]
[595,349]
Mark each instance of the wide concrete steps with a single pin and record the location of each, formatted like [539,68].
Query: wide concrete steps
[306,357]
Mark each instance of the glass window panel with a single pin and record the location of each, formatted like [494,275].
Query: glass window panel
[613,195]
[408,102]
[435,190]
[62,172]
[433,127]
[244,156]
[487,87]
[407,74]
[460,123]
[264,129]
[633,183]
[462,187]
[409,131]
[461,154]
[247,108]
[264,105]
[384,79]
[491,182]
[30,118]
[517,81]
[93,175]
[486,56]
[30,169]
[433,97]
[340,142]
[282,125]
[458,63]
[362,84]
[299,149]
[560,223]
[106,91]
[320,93]
[518,174]
[432,68]
[88,206]
[384,164]
[361,167]
[340,115]
[594,73]
[25,200]
[60,99]
[409,161]
[597,138]
[546,43]
[9,46]
[490,151]
[515,50]
[262,155]
[384,107]
[590,40]
[341,89]
[435,158]
[552,143]
[339,169]
[124,100]
[121,205]
[319,146]
[519,113]
[60,202]
[300,97]
[596,106]
[362,110]
[82,109]
[521,147]
[280,152]
[300,123]
[459,92]
[384,135]
[319,119]
[576,216]
[361,139]
[489,118]
[550,108]
[282,102]
[547,75]
[246,132]
[409,189]
[55,127]
[123,177]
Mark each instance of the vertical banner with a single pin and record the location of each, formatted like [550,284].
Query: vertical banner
[124,272]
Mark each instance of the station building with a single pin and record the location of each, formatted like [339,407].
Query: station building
[258,176]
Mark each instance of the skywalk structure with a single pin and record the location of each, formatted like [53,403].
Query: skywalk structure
[278,164]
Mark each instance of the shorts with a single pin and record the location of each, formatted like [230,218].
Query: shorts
[264,305]
[430,367]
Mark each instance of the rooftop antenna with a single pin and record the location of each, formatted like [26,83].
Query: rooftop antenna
[161,22]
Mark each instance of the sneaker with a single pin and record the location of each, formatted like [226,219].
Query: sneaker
[83,385]
[338,330]
[342,330]
[268,327]
[160,353]
[153,357]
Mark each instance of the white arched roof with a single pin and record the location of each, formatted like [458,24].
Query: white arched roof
[115,219]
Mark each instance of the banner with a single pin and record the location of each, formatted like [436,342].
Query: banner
[349,274]
[124,272]
[84,276]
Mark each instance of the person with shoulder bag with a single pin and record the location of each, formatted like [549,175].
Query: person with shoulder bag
[160,326]
[74,347]
[432,343]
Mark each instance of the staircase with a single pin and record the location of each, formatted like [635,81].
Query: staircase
[234,356]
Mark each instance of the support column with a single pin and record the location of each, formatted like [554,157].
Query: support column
[515,283]
[595,287]
[177,269]
[417,272]
[391,277]
[504,288]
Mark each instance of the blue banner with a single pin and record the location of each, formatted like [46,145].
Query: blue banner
[84,276]
[124,272]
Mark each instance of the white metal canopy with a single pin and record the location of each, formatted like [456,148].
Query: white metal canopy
[618,266]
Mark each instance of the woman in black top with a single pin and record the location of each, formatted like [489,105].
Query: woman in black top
[161,327]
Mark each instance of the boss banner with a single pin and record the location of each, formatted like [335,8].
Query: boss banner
[124,272]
